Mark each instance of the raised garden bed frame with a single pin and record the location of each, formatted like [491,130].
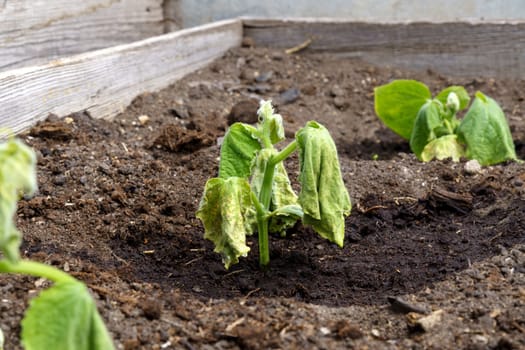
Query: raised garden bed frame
[104,82]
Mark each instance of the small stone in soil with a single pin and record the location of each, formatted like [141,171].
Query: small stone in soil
[401,306]
[143,119]
[106,169]
[375,333]
[426,323]
[59,180]
[264,77]
[341,103]
[472,167]
[152,309]
[337,91]
[324,330]
[244,111]
[180,112]
[260,88]
[288,96]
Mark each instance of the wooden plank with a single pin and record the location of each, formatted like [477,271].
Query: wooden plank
[34,32]
[173,14]
[460,49]
[104,82]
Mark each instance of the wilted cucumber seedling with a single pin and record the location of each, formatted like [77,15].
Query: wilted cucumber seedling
[253,191]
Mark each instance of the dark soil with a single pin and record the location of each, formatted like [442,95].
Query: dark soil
[117,200]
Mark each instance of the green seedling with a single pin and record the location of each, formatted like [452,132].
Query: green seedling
[64,316]
[433,129]
[253,191]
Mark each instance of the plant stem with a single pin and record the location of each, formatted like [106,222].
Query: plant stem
[265,197]
[264,251]
[266,187]
[262,229]
[33,268]
[285,153]
[261,212]
[449,125]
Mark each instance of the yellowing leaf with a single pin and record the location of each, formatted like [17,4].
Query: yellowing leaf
[323,197]
[442,148]
[289,210]
[227,214]
[64,317]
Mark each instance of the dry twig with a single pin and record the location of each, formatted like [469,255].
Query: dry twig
[299,47]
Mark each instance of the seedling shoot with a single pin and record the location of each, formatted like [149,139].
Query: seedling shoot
[253,193]
[433,129]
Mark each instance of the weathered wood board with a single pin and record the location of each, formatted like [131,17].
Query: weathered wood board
[34,32]
[461,49]
[104,82]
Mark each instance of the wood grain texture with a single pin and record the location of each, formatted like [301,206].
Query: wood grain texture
[460,49]
[34,32]
[104,82]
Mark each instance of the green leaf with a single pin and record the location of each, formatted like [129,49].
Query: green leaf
[323,197]
[486,133]
[398,103]
[442,148]
[428,121]
[17,173]
[461,93]
[64,317]
[227,213]
[282,192]
[238,151]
